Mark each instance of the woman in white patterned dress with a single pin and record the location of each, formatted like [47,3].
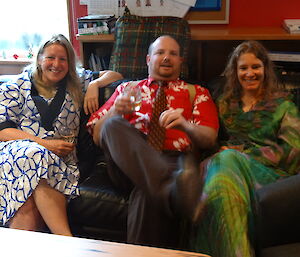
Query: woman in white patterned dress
[38,169]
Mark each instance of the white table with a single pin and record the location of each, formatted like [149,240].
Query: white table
[34,244]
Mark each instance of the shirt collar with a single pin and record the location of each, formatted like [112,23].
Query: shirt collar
[150,80]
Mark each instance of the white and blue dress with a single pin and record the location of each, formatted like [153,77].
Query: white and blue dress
[24,162]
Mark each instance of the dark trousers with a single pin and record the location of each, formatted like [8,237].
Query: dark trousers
[136,167]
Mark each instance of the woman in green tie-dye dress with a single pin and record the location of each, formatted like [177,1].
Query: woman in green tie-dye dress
[263,146]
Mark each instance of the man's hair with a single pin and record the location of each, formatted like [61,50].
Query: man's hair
[150,49]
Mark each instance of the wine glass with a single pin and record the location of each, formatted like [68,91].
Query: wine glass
[67,134]
[135,96]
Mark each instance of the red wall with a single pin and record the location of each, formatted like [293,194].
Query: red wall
[76,11]
[243,13]
[262,13]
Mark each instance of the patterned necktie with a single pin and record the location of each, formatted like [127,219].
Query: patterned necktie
[156,136]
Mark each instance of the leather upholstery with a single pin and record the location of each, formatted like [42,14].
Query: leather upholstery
[101,210]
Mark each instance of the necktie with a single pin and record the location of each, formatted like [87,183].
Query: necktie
[156,136]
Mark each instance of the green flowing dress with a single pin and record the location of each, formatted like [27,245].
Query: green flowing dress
[268,137]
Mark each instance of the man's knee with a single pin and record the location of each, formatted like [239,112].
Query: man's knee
[113,123]
[114,126]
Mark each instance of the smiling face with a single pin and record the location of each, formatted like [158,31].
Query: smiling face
[54,64]
[164,61]
[250,72]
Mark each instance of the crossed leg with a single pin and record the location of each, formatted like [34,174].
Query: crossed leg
[45,205]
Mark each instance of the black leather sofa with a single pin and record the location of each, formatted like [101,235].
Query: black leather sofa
[100,211]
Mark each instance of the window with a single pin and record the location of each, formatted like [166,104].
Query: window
[26,24]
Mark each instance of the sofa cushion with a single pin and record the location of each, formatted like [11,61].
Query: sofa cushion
[133,35]
[279,210]
[288,250]
[101,209]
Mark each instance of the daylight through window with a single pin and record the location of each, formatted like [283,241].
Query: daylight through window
[26,24]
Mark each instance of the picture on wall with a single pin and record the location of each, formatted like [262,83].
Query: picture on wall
[209,12]
[207,5]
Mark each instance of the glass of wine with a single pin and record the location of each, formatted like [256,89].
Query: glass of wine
[67,134]
[134,93]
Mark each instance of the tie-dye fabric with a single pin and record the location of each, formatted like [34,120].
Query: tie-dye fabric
[269,137]
[23,162]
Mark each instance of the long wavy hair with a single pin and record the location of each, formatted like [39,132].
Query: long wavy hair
[73,82]
[233,89]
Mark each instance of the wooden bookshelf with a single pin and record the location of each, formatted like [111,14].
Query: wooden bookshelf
[102,44]
[202,32]
[210,46]
[225,33]
[96,38]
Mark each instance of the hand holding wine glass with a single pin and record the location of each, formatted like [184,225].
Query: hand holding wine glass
[67,134]
[135,96]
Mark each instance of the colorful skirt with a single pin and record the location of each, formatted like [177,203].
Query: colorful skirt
[226,228]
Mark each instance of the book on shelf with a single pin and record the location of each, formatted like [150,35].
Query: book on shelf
[98,62]
[285,56]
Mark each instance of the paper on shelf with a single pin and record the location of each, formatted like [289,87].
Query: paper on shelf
[176,8]
[83,2]
[103,7]
[187,2]
[157,8]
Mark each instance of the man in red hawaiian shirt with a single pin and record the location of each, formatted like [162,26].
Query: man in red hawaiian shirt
[150,174]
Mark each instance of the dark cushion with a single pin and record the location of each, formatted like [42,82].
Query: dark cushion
[279,212]
[101,209]
[288,250]
[133,35]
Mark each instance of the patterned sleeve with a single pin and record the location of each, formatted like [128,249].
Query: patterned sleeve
[10,105]
[86,76]
[205,111]
[285,152]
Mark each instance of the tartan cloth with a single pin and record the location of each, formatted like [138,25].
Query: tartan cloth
[134,34]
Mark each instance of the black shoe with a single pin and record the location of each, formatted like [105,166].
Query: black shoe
[187,194]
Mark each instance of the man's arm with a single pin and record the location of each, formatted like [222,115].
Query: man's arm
[203,136]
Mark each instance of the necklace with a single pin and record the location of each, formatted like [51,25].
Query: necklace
[46,91]
[249,106]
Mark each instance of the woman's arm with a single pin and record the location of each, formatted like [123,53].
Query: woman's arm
[57,146]
[282,152]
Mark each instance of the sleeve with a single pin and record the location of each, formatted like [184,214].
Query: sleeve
[86,76]
[283,154]
[10,106]
[204,109]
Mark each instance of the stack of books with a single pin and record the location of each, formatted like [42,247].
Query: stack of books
[96,24]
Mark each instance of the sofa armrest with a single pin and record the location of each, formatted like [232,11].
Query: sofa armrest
[279,212]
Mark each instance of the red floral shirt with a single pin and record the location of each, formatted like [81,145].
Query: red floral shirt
[201,112]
